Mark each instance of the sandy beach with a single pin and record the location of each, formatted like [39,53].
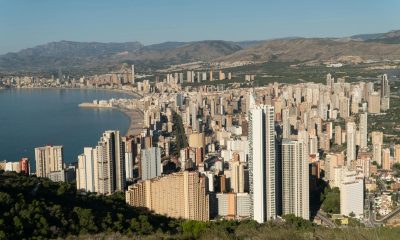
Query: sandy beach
[136,121]
[135,117]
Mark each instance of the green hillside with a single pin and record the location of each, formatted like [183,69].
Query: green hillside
[33,208]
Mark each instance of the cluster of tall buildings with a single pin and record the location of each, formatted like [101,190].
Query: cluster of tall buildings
[278,169]
[196,77]
[239,153]
[116,159]
[262,150]
[102,169]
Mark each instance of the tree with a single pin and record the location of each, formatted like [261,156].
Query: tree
[297,222]
[141,227]
[193,229]
[86,220]
[179,133]
[331,200]
[396,166]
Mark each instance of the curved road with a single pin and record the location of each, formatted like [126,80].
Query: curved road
[325,219]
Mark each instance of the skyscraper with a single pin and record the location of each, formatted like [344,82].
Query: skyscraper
[374,103]
[295,179]
[48,159]
[377,142]
[351,142]
[386,159]
[237,177]
[189,76]
[396,153]
[329,80]
[130,154]
[338,135]
[385,88]
[363,130]
[150,163]
[86,172]
[111,163]
[133,74]
[285,123]
[262,163]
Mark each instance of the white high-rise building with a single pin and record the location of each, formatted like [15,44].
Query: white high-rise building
[130,154]
[86,172]
[190,76]
[351,142]
[329,80]
[363,130]
[262,163]
[352,198]
[385,87]
[133,74]
[295,179]
[204,76]
[150,163]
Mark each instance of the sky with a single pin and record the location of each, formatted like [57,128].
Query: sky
[27,23]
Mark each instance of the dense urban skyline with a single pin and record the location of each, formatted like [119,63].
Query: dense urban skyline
[290,138]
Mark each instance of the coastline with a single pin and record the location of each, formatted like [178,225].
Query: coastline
[133,94]
[135,121]
[135,115]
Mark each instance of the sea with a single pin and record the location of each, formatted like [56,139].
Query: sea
[32,118]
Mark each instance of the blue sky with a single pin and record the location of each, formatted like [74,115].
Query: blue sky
[27,23]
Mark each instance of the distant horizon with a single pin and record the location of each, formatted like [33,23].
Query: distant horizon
[25,23]
[201,40]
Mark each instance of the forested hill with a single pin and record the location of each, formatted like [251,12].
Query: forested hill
[39,208]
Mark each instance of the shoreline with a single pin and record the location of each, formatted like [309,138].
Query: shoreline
[135,121]
[135,115]
[133,94]
[135,118]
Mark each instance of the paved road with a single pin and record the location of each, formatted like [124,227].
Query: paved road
[389,216]
[372,213]
[325,219]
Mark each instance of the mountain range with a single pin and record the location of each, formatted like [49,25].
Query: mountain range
[92,56]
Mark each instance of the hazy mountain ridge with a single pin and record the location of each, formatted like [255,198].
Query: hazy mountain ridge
[307,49]
[193,51]
[392,37]
[82,56]
[65,54]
